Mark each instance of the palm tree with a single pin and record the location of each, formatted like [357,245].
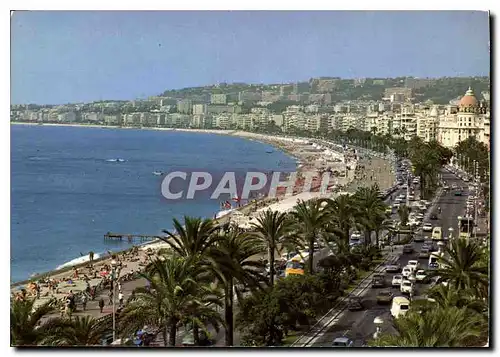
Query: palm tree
[26,327]
[341,212]
[380,224]
[404,214]
[175,293]
[461,265]
[78,331]
[442,327]
[271,229]
[369,207]
[231,263]
[193,238]
[310,218]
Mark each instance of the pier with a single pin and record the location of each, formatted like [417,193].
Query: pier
[130,237]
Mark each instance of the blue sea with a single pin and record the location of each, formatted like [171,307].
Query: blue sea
[66,193]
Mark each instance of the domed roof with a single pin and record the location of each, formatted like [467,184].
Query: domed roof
[468,100]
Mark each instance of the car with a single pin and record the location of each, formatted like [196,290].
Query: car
[396,205]
[428,243]
[411,197]
[413,264]
[424,253]
[402,196]
[421,276]
[406,287]
[355,303]
[446,187]
[396,280]
[408,249]
[458,193]
[393,268]
[384,297]
[342,342]
[427,227]
[434,216]
[406,271]
[378,281]
[418,238]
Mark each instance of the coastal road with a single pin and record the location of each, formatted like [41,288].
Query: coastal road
[359,326]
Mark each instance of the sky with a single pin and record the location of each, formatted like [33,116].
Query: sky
[62,57]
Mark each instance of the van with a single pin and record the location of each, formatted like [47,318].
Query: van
[400,306]
[437,233]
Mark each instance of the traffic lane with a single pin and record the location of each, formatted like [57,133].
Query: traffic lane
[359,325]
[451,206]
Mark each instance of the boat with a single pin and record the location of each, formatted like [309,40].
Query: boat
[269,151]
[157,173]
[116,160]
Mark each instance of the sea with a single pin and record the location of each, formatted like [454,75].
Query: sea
[72,185]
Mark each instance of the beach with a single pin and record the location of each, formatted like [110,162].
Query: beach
[309,158]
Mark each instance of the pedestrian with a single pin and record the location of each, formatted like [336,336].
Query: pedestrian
[101,304]
[120,298]
[111,297]
[84,302]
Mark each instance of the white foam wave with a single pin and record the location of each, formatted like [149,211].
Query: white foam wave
[76,261]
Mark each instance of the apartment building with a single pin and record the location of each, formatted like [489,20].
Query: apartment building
[218,99]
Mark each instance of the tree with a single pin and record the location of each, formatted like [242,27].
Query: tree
[442,327]
[370,208]
[341,213]
[271,229]
[404,214]
[174,295]
[461,265]
[78,331]
[231,264]
[26,327]
[193,238]
[310,218]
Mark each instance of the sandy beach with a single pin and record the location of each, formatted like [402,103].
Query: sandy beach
[310,157]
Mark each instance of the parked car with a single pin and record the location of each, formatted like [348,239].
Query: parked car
[384,297]
[355,304]
[378,281]
[342,342]
[406,287]
[396,280]
[427,227]
[424,253]
[421,276]
[408,249]
[393,268]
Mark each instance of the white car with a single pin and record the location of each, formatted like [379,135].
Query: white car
[413,264]
[406,271]
[406,287]
[402,196]
[420,275]
[411,197]
[396,205]
[427,227]
[397,280]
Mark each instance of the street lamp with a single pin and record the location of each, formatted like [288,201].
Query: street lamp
[113,280]
[450,233]
[378,321]
[412,280]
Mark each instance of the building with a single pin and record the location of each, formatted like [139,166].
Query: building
[286,90]
[398,94]
[200,109]
[218,99]
[300,87]
[219,109]
[249,97]
[185,106]
[472,119]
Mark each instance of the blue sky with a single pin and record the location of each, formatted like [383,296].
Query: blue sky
[62,57]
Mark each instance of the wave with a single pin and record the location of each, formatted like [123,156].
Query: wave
[116,160]
[79,260]
[38,158]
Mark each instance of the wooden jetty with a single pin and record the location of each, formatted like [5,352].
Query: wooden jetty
[130,237]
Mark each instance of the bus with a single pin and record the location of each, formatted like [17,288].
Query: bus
[465,226]
[296,265]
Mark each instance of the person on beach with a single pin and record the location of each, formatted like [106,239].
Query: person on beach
[84,302]
[101,304]
[91,257]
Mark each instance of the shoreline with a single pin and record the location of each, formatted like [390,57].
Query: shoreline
[279,143]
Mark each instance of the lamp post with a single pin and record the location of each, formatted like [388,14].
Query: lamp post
[378,321]
[113,283]
[450,233]
[412,280]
